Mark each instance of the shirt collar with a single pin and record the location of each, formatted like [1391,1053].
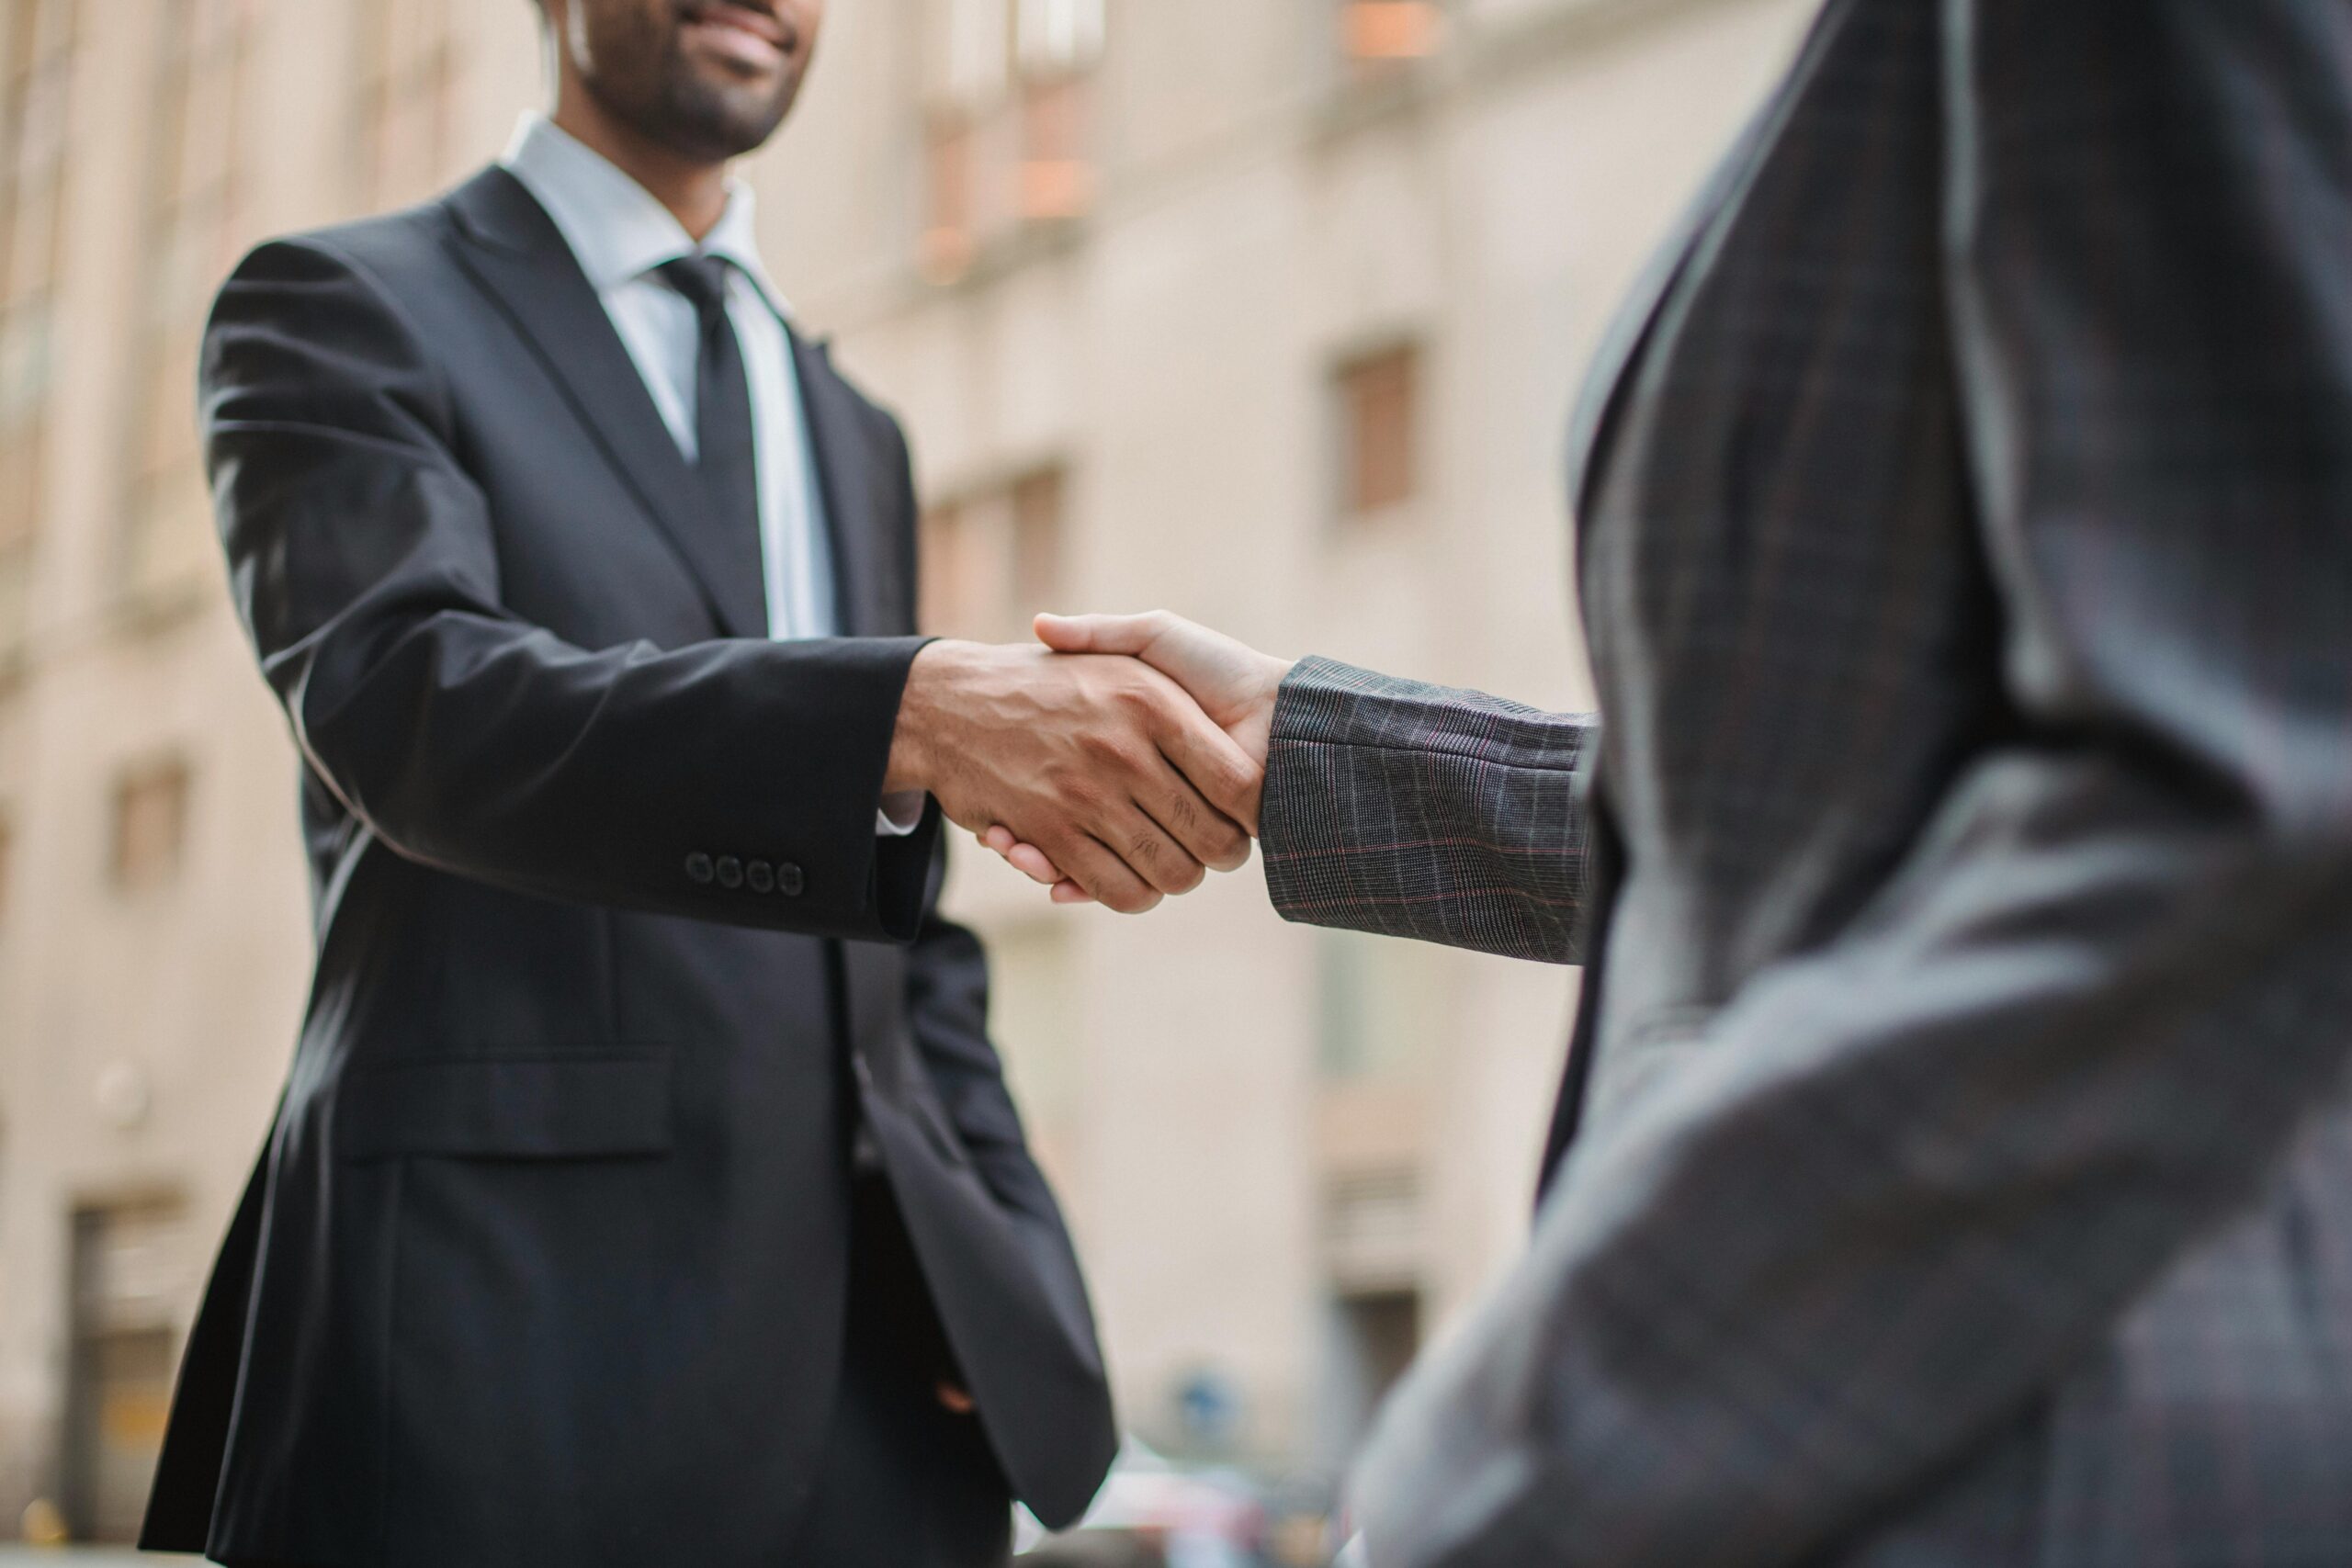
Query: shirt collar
[617,230]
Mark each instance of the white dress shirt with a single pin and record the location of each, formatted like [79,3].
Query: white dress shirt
[620,234]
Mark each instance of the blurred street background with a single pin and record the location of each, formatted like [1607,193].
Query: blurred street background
[1270,311]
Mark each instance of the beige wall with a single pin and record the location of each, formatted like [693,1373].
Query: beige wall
[1256,221]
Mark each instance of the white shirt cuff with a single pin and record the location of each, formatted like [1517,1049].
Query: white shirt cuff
[900,815]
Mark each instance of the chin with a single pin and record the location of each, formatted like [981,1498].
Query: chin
[716,132]
[713,113]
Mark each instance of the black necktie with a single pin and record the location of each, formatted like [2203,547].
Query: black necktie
[723,424]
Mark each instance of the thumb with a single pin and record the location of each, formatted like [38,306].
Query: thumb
[1096,634]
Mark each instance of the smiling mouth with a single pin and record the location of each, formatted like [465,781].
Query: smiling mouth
[744,29]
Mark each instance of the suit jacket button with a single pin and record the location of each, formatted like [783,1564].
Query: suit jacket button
[760,876]
[699,870]
[730,872]
[788,880]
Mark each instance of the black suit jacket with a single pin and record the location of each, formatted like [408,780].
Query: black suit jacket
[545,1261]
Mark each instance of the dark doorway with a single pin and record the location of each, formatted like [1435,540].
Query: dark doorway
[127,1280]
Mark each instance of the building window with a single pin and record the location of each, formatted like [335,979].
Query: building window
[1037,542]
[1059,36]
[1033,1019]
[1058,42]
[197,177]
[1373,1247]
[1056,167]
[977,63]
[992,557]
[1383,1012]
[133,1282]
[1009,128]
[1377,1334]
[1376,33]
[952,221]
[36,68]
[150,824]
[1378,404]
[408,67]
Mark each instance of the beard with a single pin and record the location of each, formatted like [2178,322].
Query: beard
[648,82]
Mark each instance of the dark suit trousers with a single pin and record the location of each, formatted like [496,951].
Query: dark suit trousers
[904,1482]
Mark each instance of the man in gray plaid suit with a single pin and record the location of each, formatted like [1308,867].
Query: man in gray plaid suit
[1955,1166]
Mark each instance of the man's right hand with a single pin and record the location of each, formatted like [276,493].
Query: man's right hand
[1102,763]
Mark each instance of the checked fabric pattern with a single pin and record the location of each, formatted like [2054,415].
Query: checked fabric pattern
[1964,1174]
[1416,811]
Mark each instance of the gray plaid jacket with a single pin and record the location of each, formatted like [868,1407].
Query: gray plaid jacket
[1961,1164]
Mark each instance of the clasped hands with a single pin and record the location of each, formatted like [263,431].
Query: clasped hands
[1120,762]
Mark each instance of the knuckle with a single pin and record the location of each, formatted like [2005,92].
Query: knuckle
[1059,846]
[1141,701]
[1103,747]
[1130,761]
[1080,797]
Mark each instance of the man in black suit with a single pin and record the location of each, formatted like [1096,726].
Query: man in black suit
[645,1189]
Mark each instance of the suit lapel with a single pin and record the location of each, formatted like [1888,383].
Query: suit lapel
[1615,364]
[520,256]
[1628,330]
[1618,358]
[856,522]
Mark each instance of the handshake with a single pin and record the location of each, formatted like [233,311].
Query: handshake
[1120,762]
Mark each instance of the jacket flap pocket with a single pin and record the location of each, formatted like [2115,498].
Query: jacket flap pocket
[510,1108]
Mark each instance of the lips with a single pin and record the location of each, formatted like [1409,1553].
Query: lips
[736,16]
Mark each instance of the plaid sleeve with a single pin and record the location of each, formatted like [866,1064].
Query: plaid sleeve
[1424,812]
[1921,1173]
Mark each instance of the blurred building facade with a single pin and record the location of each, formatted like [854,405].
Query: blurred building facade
[1266,311]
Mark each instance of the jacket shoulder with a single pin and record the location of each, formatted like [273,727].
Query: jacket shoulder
[317,304]
[393,247]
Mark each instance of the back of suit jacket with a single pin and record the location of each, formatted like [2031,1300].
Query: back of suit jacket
[545,1261]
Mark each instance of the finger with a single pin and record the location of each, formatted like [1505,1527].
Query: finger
[1098,634]
[1207,834]
[1027,859]
[1102,875]
[1030,862]
[1071,893]
[1215,766]
[1153,852]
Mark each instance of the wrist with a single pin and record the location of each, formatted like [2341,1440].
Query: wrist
[1257,736]
[1277,671]
[915,737]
